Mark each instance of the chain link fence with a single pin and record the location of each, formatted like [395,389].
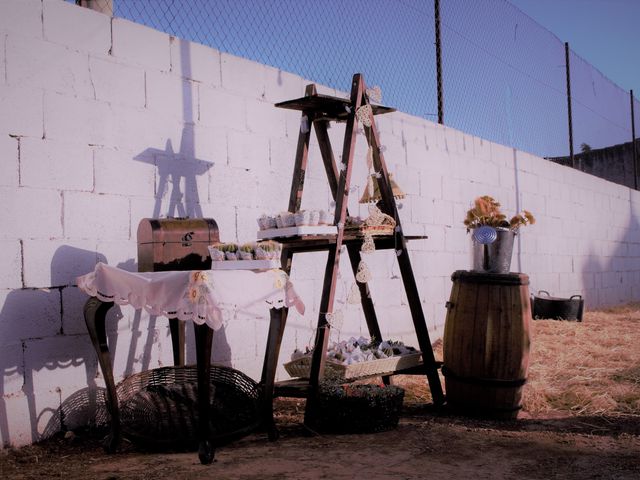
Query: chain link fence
[504,77]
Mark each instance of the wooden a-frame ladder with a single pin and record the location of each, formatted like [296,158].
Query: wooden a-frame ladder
[318,111]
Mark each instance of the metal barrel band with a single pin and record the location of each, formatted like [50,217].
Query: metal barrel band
[494,382]
[464,276]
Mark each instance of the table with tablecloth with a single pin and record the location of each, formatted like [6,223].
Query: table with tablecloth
[208,298]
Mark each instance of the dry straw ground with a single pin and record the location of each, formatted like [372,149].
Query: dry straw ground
[581,420]
[588,368]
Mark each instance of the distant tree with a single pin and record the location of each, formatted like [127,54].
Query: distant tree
[585,147]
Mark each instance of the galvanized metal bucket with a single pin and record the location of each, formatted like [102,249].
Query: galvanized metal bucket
[492,251]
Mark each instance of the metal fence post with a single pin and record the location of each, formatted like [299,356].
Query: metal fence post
[635,147]
[436,4]
[566,58]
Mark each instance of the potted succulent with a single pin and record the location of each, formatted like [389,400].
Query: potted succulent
[230,251]
[268,250]
[324,217]
[216,252]
[302,218]
[493,234]
[266,222]
[246,251]
[314,217]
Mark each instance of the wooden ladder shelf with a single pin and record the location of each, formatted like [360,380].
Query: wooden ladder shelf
[319,110]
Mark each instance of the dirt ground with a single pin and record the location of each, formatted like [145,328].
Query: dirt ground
[581,420]
[426,444]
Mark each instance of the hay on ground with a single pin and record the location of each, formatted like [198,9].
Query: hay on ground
[581,368]
[587,368]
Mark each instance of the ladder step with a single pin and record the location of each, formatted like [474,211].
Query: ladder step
[295,387]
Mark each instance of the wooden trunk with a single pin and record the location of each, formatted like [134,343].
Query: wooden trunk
[486,343]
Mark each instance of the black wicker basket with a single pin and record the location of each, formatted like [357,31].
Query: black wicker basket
[356,408]
[159,407]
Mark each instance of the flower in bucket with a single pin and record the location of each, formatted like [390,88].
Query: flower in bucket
[486,212]
[493,234]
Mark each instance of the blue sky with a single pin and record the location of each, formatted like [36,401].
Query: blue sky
[606,33]
[503,62]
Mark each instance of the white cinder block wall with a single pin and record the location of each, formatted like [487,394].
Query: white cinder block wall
[104,122]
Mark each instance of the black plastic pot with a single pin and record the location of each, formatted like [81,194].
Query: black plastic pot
[545,306]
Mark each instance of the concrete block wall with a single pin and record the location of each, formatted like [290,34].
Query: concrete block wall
[105,122]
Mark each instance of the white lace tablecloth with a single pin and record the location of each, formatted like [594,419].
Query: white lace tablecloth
[211,297]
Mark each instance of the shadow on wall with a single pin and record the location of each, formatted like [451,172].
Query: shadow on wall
[45,341]
[177,173]
[606,280]
[177,189]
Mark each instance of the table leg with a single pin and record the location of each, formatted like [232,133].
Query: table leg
[204,339]
[95,312]
[177,328]
[278,319]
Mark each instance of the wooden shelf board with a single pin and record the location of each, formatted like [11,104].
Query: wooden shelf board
[310,243]
[295,387]
[326,107]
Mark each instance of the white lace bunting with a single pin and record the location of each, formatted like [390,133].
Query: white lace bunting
[370,186]
[375,94]
[334,319]
[354,295]
[364,274]
[376,217]
[368,245]
[363,114]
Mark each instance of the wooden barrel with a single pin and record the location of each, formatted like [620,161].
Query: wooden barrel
[486,343]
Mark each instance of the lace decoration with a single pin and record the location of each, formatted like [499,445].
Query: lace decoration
[375,94]
[364,274]
[363,114]
[368,245]
[334,319]
[354,295]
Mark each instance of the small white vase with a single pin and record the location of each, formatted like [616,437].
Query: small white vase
[324,217]
[216,254]
[302,218]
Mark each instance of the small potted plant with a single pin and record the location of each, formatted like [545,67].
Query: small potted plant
[493,234]
[246,251]
[216,252]
[302,218]
[268,250]
[266,222]
[324,217]
[314,217]
[285,219]
[230,251]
